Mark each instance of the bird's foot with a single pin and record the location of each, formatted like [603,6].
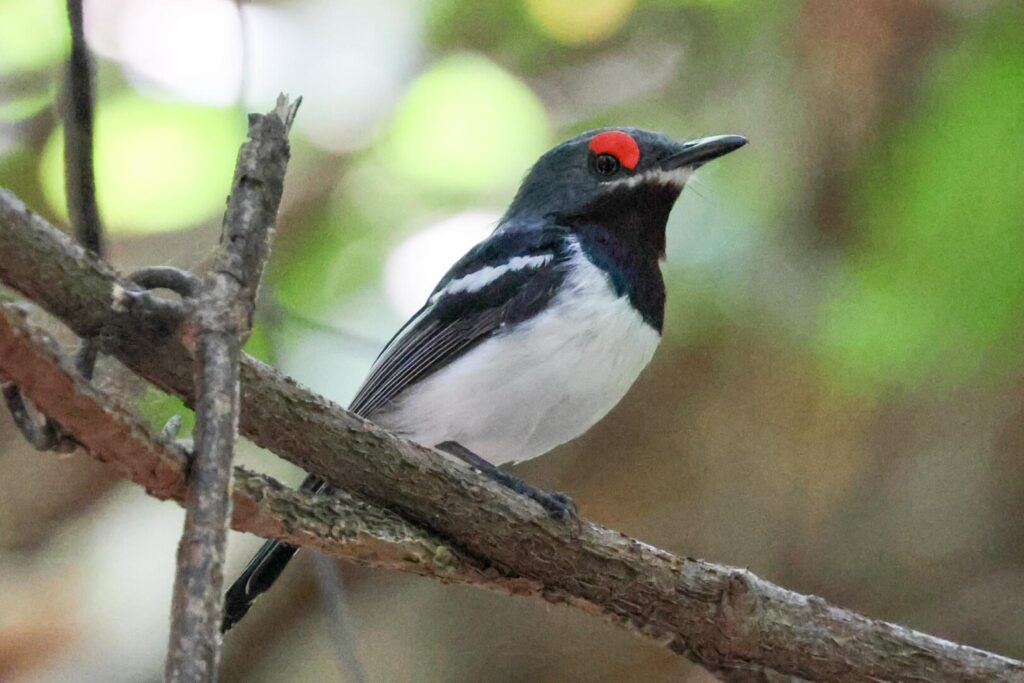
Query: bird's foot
[558,504]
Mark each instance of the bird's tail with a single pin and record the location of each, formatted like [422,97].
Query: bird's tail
[261,572]
[259,575]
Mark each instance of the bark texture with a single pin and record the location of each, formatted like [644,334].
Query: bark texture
[115,434]
[219,322]
[724,618]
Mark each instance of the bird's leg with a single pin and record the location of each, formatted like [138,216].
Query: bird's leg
[557,503]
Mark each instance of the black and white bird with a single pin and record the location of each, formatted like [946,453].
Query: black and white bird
[539,330]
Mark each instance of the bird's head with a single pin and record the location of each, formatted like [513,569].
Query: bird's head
[621,180]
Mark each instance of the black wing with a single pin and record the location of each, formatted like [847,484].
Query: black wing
[462,313]
[451,323]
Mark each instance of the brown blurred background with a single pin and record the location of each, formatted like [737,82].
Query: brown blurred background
[838,403]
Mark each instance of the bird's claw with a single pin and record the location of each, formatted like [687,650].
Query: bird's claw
[558,504]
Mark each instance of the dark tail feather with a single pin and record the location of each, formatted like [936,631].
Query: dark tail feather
[263,569]
[259,575]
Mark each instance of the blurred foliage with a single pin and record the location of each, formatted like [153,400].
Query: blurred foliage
[33,35]
[936,289]
[158,407]
[466,125]
[575,22]
[159,166]
[338,254]
[24,107]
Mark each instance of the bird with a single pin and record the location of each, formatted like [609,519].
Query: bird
[538,331]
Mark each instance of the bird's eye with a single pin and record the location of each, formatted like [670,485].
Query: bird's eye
[605,164]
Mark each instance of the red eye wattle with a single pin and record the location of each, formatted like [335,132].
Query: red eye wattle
[620,145]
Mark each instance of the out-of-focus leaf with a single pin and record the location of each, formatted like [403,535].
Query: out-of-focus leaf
[24,107]
[158,408]
[574,23]
[33,34]
[500,28]
[937,289]
[159,166]
[259,344]
[467,125]
[336,257]
[715,3]
[18,174]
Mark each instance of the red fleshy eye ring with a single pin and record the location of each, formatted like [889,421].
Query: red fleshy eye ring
[620,145]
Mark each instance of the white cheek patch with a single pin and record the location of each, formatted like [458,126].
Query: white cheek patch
[674,176]
[488,274]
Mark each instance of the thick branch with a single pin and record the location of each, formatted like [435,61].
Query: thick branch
[341,526]
[721,617]
[221,320]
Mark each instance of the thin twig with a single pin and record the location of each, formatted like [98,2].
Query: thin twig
[723,618]
[331,583]
[221,321]
[181,282]
[194,651]
[80,191]
[79,179]
[79,175]
[43,436]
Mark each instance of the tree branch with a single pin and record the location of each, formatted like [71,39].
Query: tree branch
[80,191]
[220,322]
[341,526]
[80,183]
[724,618]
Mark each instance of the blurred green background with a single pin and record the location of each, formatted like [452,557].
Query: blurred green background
[838,403]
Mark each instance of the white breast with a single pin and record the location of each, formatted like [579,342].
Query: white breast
[522,393]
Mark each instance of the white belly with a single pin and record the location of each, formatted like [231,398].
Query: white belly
[522,393]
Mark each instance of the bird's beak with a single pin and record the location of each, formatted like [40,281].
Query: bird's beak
[698,152]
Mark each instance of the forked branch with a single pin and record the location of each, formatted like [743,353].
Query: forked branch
[724,618]
[220,319]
